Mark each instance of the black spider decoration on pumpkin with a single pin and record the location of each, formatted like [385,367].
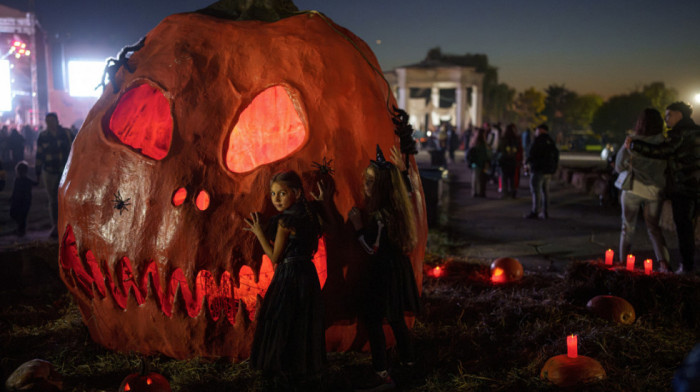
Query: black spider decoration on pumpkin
[121,204]
[404,131]
[324,167]
[113,64]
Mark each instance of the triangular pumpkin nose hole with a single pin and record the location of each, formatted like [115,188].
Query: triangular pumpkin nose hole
[268,129]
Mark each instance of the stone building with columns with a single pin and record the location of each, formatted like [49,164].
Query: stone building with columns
[436,91]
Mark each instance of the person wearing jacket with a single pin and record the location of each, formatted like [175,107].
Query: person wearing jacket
[478,157]
[542,161]
[644,188]
[682,152]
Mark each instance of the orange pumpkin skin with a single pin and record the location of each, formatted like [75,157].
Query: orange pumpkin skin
[565,372]
[612,308]
[164,276]
[151,382]
[505,270]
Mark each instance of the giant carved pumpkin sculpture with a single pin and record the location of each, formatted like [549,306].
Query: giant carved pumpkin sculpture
[179,150]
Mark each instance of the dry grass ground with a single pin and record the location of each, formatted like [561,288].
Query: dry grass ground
[471,334]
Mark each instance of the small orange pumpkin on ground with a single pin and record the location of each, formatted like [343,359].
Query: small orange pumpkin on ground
[565,372]
[140,382]
[612,308]
[505,270]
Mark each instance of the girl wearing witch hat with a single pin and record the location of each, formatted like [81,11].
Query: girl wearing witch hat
[386,231]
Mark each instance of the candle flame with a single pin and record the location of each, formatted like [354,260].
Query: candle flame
[498,275]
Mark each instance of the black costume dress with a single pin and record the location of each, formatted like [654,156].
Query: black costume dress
[290,335]
[390,291]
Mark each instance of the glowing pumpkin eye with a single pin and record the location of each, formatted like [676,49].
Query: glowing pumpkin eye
[149,381]
[142,121]
[202,200]
[268,129]
[179,197]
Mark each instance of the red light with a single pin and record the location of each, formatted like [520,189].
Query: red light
[269,129]
[127,387]
[498,275]
[202,200]
[149,381]
[179,197]
[142,121]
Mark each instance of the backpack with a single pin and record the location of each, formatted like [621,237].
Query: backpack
[550,160]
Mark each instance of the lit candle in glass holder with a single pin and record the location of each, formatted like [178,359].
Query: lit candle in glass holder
[648,265]
[572,346]
[630,262]
[609,256]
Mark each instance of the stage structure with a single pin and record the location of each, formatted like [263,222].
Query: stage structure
[433,92]
[23,53]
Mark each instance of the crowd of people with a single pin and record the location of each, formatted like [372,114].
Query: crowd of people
[499,156]
[53,146]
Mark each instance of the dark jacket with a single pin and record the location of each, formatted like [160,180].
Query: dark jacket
[682,150]
[543,156]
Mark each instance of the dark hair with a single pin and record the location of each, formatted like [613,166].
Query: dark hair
[680,106]
[543,126]
[22,167]
[52,114]
[649,123]
[291,179]
[478,137]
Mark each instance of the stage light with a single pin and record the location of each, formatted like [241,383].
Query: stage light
[83,77]
[5,87]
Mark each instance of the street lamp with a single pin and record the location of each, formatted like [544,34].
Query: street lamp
[697,98]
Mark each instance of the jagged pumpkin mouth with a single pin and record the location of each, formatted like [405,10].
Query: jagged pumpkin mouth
[225,298]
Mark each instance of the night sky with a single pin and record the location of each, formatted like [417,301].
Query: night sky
[598,46]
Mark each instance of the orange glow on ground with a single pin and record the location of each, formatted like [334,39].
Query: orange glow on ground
[269,129]
[498,275]
[436,272]
[202,200]
[143,122]
[179,197]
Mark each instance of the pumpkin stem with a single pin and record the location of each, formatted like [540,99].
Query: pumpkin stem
[263,10]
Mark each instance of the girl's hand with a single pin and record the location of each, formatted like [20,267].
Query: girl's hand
[396,159]
[318,197]
[355,218]
[254,224]
[324,188]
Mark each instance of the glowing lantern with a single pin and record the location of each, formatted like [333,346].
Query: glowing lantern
[505,270]
[139,382]
[200,116]
[566,371]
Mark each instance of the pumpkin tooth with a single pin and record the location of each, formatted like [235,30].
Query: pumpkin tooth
[122,282]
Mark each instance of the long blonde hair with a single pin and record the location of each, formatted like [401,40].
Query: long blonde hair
[389,198]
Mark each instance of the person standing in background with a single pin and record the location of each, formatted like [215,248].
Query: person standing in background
[52,149]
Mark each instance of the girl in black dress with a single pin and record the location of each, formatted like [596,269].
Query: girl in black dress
[289,342]
[387,232]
